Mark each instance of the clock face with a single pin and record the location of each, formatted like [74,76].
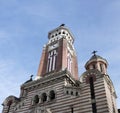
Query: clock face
[53,46]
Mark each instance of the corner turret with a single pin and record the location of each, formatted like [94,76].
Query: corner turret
[97,62]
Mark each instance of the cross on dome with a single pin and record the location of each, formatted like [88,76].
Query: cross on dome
[94,52]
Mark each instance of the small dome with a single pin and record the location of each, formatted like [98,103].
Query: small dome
[97,62]
[97,57]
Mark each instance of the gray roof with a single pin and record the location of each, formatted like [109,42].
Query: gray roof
[97,57]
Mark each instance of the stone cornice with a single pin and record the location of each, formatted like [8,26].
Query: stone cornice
[48,78]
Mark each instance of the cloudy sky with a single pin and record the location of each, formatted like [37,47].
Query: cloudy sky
[24,26]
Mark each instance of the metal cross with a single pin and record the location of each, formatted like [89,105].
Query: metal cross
[94,52]
[31,76]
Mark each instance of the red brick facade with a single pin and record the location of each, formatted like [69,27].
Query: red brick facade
[61,62]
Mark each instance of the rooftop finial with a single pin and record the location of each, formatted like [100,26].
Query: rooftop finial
[62,25]
[94,52]
[31,77]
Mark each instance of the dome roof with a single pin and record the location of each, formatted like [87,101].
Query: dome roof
[95,58]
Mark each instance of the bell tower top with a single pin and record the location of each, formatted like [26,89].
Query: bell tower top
[59,53]
[60,32]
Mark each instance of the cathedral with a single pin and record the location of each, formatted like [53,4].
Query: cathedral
[57,87]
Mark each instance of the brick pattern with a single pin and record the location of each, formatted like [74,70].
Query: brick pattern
[61,62]
[41,65]
[63,102]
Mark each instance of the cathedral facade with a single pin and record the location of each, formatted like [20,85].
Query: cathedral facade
[57,87]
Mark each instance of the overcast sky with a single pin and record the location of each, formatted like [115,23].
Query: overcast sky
[24,27]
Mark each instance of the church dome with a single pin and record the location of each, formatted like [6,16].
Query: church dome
[97,58]
[97,62]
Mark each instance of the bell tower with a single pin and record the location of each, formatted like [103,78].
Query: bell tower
[59,53]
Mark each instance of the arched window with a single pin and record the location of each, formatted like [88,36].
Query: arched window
[9,105]
[71,92]
[69,62]
[44,97]
[51,65]
[52,95]
[94,66]
[76,93]
[101,67]
[52,36]
[91,81]
[36,99]
[67,92]
[59,32]
[63,32]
